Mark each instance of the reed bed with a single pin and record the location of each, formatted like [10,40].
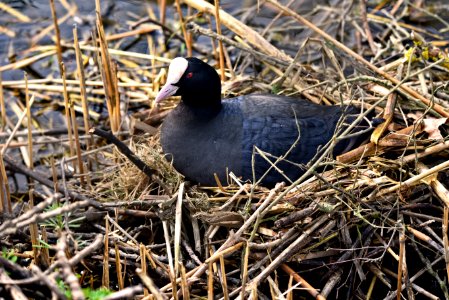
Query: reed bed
[80,220]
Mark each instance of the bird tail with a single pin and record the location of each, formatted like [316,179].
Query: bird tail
[362,128]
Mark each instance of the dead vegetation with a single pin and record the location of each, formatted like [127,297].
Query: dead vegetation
[369,224]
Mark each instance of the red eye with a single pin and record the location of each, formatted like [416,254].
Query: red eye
[189,75]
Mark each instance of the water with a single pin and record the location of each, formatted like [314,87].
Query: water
[116,17]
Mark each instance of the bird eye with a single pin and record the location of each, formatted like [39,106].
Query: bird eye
[189,75]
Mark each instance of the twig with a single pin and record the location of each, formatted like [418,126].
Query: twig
[66,270]
[191,26]
[149,283]
[241,29]
[358,57]
[220,43]
[310,289]
[147,170]
[126,293]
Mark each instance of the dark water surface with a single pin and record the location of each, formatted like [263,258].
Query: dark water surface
[117,17]
[116,14]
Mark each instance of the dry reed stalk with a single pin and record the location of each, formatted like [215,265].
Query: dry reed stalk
[300,87]
[212,40]
[82,80]
[14,12]
[125,53]
[424,237]
[18,124]
[388,112]
[290,288]
[51,50]
[445,238]
[54,174]
[67,273]
[167,238]
[117,111]
[384,20]
[371,148]
[412,279]
[369,293]
[34,231]
[228,62]
[284,254]
[67,108]
[108,75]
[416,179]
[210,281]
[183,28]
[49,28]
[162,10]
[7,32]
[44,141]
[57,35]
[152,46]
[77,143]
[44,250]
[245,269]
[240,29]
[3,179]
[230,243]
[42,83]
[400,265]
[139,31]
[184,284]
[27,61]
[2,105]
[174,285]
[88,179]
[135,96]
[143,264]
[438,108]
[29,124]
[200,269]
[367,30]
[220,43]
[149,284]
[432,180]
[149,256]
[105,274]
[45,88]
[224,281]
[310,289]
[279,81]
[178,228]
[5,195]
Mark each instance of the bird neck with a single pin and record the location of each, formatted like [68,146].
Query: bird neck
[203,106]
[206,102]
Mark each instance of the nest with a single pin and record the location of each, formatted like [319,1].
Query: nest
[369,224]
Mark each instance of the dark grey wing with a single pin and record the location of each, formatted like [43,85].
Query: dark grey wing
[199,148]
[300,137]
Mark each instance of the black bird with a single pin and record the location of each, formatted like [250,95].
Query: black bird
[205,135]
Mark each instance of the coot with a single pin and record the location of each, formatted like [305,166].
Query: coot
[205,135]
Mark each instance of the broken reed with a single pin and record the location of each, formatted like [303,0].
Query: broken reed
[108,73]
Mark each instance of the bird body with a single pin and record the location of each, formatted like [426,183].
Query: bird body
[206,136]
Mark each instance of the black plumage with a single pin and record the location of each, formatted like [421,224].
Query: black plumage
[204,135]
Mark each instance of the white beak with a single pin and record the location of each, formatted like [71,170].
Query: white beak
[177,68]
